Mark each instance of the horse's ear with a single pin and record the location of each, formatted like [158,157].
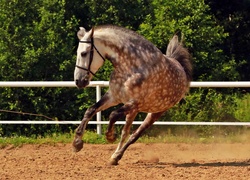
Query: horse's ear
[91,32]
[81,33]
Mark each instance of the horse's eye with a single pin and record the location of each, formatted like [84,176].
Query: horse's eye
[83,54]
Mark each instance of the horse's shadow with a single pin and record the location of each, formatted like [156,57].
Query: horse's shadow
[214,164]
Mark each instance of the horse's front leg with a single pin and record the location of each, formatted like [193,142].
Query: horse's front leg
[105,102]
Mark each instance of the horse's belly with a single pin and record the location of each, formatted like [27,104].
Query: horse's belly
[151,99]
[160,102]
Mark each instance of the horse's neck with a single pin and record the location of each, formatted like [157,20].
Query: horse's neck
[116,56]
[129,57]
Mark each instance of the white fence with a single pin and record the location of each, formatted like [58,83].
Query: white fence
[99,84]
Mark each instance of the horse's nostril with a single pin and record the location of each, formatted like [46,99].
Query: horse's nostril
[77,82]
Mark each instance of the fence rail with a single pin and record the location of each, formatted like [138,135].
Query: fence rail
[217,84]
[135,123]
[99,84]
[49,84]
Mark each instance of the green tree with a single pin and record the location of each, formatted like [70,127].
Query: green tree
[36,43]
[127,13]
[234,16]
[202,35]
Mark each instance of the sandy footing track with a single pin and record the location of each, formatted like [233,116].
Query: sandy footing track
[140,162]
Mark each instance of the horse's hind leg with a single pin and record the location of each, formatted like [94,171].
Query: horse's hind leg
[149,120]
[104,103]
[129,110]
[126,129]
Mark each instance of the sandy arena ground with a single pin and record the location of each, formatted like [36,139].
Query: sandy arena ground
[140,162]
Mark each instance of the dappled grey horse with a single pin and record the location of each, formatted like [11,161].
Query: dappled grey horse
[143,79]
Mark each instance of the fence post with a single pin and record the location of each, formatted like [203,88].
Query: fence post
[98,115]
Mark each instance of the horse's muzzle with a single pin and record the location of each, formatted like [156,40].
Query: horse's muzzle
[82,83]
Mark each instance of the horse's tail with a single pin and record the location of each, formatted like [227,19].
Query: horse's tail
[177,51]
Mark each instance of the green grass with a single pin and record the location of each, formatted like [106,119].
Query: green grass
[20,140]
[239,138]
[93,138]
[89,137]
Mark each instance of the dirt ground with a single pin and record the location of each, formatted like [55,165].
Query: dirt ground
[140,162]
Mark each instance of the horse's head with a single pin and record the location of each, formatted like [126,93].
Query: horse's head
[89,59]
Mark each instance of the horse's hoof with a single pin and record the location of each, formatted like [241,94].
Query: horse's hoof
[77,145]
[113,162]
[110,137]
